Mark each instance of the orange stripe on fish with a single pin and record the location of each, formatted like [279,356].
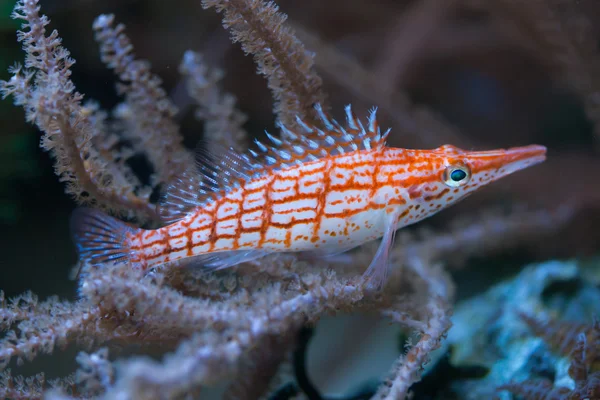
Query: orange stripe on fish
[324,190]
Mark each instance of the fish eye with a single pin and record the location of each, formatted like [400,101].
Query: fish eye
[456,175]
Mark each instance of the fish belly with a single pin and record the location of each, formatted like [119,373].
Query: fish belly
[352,231]
[329,233]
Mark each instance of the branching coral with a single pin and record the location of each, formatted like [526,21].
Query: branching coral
[235,327]
[223,120]
[280,56]
[581,343]
[153,125]
[45,91]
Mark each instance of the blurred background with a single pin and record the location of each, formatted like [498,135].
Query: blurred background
[475,74]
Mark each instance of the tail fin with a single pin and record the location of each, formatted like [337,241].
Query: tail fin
[100,238]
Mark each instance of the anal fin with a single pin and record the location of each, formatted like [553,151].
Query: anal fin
[334,255]
[226,259]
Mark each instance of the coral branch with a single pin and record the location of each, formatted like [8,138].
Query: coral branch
[207,357]
[151,113]
[43,332]
[223,122]
[258,367]
[409,366]
[279,55]
[50,101]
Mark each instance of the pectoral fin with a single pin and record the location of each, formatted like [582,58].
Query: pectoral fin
[375,276]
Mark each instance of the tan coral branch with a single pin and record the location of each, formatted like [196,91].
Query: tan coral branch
[279,55]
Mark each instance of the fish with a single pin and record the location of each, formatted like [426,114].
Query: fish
[320,190]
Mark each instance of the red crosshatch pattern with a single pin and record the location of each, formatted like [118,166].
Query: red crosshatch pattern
[335,202]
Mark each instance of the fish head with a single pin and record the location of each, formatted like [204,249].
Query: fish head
[458,173]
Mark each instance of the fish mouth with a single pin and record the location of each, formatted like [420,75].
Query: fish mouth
[507,161]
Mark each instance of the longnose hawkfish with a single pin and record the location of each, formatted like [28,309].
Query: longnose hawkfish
[322,190]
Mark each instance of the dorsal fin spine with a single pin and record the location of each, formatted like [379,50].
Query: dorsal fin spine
[363,132]
[284,154]
[298,149]
[323,117]
[312,144]
[286,132]
[261,146]
[386,133]
[273,139]
[303,125]
[350,117]
[373,119]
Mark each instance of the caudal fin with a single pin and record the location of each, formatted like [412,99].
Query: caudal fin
[100,238]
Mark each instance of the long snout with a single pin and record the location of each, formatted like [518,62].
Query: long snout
[503,162]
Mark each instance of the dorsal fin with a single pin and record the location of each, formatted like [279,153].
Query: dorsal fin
[216,172]
[315,142]
[181,196]
[226,169]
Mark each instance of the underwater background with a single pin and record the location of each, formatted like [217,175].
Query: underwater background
[493,75]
